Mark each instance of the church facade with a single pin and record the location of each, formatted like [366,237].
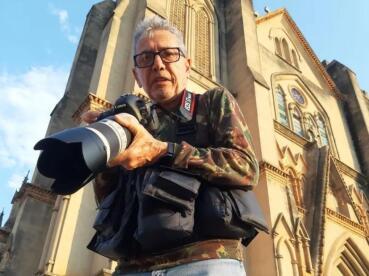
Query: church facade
[309,121]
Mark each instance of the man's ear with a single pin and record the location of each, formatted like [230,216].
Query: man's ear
[188,65]
[136,77]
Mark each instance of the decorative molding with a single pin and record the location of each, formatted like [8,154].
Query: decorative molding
[280,226]
[31,190]
[273,171]
[347,170]
[301,210]
[300,231]
[290,160]
[345,221]
[289,134]
[92,102]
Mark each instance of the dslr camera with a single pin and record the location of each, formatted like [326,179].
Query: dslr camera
[74,156]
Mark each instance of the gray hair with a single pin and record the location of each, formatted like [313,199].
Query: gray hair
[147,26]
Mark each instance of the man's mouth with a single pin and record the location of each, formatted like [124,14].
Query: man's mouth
[160,79]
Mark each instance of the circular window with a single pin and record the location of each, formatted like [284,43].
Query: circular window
[297,96]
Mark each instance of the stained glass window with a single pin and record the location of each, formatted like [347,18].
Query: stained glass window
[297,123]
[322,131]
[282,109]
[297,96]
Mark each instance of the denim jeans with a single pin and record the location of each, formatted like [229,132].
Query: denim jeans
[213,267]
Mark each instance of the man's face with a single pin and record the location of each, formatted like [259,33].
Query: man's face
[162,81]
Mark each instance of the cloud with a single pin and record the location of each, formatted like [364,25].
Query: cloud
[63,17]
[72,34]
[73,39]
[15,181]
[26,103]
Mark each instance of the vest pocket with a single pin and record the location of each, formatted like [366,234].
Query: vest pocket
[215,216]
[166,213]
[113,223]
[103,220]
[247,209]
[233,214]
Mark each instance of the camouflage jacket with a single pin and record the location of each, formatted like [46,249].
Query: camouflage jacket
[221,154]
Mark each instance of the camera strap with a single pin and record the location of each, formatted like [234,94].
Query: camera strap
[187,125]
[185,117]
[188,104]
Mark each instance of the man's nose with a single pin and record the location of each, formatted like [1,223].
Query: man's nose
[158,63]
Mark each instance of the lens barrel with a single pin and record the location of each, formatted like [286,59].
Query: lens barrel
[74,156]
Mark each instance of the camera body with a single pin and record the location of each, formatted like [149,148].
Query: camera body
[74,156]
[143,109]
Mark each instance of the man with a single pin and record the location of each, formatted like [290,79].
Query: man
[214,150]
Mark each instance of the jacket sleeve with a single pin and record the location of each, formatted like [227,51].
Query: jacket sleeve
[229,161]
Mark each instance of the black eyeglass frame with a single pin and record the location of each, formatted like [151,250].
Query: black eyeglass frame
[180,53]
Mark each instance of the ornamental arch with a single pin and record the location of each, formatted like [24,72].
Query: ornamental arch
[346,258]
[302,104]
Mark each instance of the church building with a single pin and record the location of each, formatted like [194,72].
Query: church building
[309,121]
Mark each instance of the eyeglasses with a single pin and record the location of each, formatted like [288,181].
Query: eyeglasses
[167,55]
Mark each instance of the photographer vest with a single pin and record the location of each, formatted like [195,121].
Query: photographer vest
[163,208]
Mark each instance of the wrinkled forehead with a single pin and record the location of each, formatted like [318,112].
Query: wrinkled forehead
[156,39]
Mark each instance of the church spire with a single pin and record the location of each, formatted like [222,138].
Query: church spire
[25,180]
[1,218]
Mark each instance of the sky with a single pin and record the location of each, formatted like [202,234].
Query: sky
[38,42]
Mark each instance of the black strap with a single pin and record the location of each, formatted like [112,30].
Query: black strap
[186,130]
[185,124]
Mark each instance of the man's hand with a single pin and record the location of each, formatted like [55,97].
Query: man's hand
[143,150]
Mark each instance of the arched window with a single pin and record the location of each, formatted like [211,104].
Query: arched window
[286,50]
[310,128]
[297,122]
[322,131]
[278,46]
[310,136]
[350,260]
[178,14]
[198,23]
[282,108]
[286,261]
[310,122]
[202,42]
[294,58]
